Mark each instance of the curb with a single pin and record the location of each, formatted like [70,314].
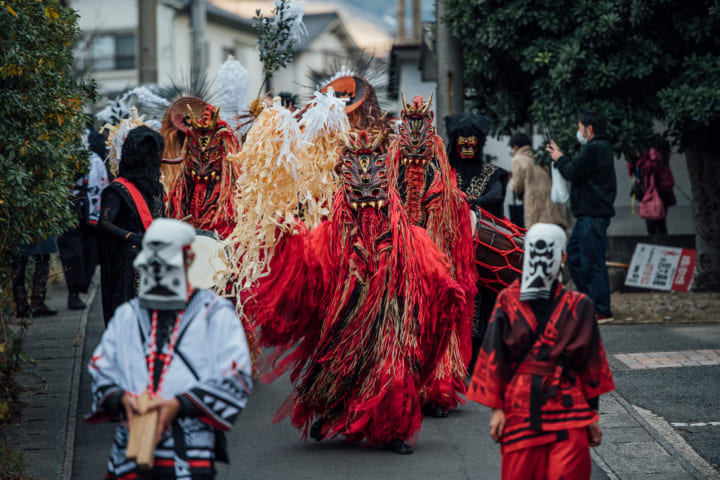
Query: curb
[66,459]
[675,447]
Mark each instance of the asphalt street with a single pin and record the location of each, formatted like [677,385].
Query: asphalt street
[680,395]
[661,424]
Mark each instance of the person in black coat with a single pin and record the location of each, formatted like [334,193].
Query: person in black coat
[128,206]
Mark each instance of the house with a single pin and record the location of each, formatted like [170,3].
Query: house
[110,51]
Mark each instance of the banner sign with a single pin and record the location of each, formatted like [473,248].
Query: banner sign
[661,268]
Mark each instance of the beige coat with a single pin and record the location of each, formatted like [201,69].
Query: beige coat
[533,183]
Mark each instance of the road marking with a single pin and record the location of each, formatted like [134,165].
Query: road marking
[685,358]
[695,424]
[664,428]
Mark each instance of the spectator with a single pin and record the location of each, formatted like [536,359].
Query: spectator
[40,251]
[653,167]
[593,188]
[78,246]
[533,183]
[128,206]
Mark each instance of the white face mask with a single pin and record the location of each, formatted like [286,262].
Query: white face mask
[544,247]
[580,137]
[161,264]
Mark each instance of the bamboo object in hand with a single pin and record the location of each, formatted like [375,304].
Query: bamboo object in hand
[141,444]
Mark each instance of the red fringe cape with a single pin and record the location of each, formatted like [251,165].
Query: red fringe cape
[445,215]
[361,323]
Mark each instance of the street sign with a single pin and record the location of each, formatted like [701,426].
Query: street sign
[661,268]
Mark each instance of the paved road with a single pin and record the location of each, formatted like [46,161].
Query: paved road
[677,378]
[457,447]
[655,426]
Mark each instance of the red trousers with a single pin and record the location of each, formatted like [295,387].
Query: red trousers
[562,460]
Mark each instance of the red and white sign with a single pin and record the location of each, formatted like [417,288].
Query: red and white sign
[661,268]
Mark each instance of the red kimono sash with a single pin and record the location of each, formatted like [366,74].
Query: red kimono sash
[140,203]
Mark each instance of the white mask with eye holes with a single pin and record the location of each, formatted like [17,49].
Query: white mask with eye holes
[161,264]
[544,248]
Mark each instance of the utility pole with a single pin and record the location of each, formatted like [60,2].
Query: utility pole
[450,85]
[401,21]
[147,41]
[198,20]
[417,21]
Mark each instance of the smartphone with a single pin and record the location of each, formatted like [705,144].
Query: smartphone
[547,137]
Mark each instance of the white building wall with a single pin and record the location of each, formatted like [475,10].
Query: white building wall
[317,56]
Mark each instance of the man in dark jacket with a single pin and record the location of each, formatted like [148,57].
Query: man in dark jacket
[594,187]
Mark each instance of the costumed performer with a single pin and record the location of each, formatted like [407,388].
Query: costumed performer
[181,350]
[419,167]
[127,207]
[484,186]
[78,247]
[542,367]
[363,306]
[205,189]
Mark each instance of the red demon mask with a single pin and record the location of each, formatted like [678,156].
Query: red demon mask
[364,172]
[416,130]
[205,146]
[466,147]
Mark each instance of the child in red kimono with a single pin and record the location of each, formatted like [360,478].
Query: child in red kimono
[541,368]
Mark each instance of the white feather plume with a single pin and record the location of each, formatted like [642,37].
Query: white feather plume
[326,115]
[232,83]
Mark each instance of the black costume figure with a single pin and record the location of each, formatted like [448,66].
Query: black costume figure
[121,225]
[484,185]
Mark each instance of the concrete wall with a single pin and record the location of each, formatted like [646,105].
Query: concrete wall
[680,220]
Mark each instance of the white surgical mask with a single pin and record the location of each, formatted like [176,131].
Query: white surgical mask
[580,137]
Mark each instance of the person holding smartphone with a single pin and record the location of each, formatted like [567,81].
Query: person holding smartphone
[591,174]
[533,183]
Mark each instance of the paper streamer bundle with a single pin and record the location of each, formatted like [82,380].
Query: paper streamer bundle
[267,195]
[323,125]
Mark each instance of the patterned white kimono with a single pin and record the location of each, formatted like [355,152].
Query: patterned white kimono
[210,367]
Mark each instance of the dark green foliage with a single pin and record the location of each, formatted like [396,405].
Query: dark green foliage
[41,121]
[544,61]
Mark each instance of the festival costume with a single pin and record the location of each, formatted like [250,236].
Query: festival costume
[419,167]
[165,344]
[543,363]
[204,191]
[498,249]
[362,306]
[128,205]
[77,246]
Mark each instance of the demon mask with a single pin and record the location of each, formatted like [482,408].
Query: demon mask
[364,172]
[416,130]
[205,146]
[466,147]
[544,247]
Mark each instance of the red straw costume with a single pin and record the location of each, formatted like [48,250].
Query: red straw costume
[363,306]
[205,189]
[420,168]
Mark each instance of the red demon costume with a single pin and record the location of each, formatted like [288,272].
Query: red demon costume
[364,304]
[542,367]
[204,190]
[420,168]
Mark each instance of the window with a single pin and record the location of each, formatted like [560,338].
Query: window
[112,52]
